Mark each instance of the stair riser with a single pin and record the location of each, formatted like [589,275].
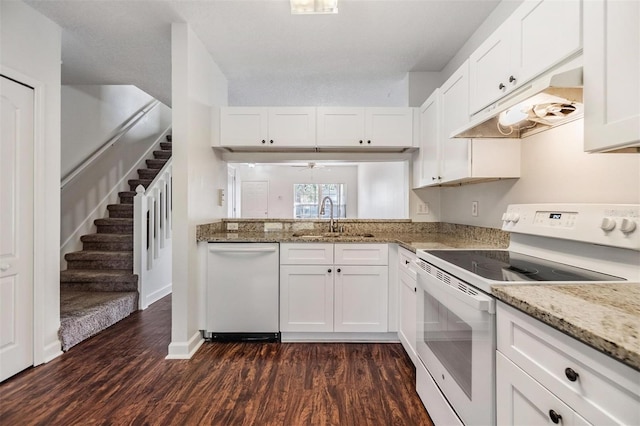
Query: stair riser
[162,154]
[169,137]
[90,286]
[121,214]
[147,173]
[115,229]
[98,246]
[126,200]
[101,264]
[167,146]
[156,164]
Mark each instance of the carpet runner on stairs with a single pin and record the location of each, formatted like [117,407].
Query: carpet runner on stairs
[99,287]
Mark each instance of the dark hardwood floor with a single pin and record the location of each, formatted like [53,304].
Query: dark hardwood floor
[121,377]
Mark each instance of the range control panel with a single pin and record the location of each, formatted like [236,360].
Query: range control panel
[606,224]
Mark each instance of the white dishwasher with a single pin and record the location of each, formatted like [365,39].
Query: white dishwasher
[243,292]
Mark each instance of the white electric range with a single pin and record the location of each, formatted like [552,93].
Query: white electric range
[549,244]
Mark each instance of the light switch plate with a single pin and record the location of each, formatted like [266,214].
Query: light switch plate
[474,208]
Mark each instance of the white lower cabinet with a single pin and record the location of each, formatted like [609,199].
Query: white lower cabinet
[543,374]
[522,400]
[320,292]
[408,300]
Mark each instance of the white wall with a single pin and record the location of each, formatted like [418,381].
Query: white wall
[198,87]
[281,179]
[420,85]
[320,90]
[91,115]
[382,190]
[30,51]
[554,169]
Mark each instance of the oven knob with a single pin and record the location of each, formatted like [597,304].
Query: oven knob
[607,224]
[627,226]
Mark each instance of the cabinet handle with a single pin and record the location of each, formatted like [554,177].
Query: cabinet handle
[329,270]
[263,141]
[360,142]
[555,417]
[368,142]
[436,178]
[406,262]
[339,270]
[512,79]
[271,141]
[501,86]
[571,374]
[415,289]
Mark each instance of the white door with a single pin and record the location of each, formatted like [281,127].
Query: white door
[16,227]
[254,198]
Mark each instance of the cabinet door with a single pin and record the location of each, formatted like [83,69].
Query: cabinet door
[292,127]
[426,165]
[408,300]
[306,298]
[611,75]
[545,32]
[520,400]
[388,127]
[243,126]
[361,294]
[340,127]
[455,158]
[489,68]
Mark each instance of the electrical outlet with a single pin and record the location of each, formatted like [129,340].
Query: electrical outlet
[474,208]
[232,226]
[422,208]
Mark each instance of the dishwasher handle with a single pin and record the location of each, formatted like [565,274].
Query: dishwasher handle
[243,250]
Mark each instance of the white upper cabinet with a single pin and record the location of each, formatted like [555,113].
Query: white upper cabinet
[611,76]
[426,161]
[367,128]
[537,36]
[445,160]
[268,128]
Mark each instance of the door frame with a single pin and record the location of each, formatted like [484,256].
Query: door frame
[41,354]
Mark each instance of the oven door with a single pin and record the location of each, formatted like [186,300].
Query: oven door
[456,343]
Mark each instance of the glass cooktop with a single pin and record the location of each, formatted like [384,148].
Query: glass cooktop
[503,265]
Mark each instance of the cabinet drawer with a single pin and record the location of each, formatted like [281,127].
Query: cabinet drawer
[306,254]
[605,391]
[406,262]
[362,254]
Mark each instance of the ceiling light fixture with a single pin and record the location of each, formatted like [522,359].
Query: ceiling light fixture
[304,7]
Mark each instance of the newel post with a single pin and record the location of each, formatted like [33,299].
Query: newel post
[140,242]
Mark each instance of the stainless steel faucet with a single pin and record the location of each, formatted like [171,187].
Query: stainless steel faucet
[333,226]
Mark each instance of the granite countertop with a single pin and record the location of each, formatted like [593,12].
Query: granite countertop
[604,316]
[410,241]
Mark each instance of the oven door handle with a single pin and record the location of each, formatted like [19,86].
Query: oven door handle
[478,301]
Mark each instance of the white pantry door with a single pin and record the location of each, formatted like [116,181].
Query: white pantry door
[16,227]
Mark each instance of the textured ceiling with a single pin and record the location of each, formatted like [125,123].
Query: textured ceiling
[129,42]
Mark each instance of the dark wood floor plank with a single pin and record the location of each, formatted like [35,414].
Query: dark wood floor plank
[121,377]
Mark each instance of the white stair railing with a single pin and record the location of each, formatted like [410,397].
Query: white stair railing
[152,238]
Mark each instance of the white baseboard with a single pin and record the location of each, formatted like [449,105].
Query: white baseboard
[185,350]
[52,351]
[156,295]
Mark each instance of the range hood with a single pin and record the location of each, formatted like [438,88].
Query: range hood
[552,99]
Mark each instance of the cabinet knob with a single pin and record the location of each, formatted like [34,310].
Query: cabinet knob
[361,142]
[339,270]
[512,79]
[501,86]
[571,374]
[368,142]
[406,262]
[555,417]
[271,141]
[329,270]
[263,141]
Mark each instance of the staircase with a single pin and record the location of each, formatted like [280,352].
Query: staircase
[99,287]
